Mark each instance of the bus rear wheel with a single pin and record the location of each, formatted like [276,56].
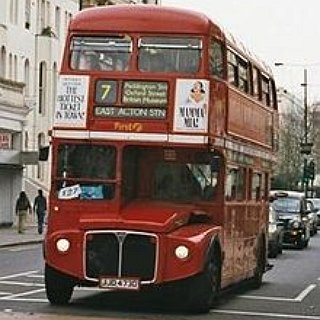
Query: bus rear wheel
[260,267]
[59,288]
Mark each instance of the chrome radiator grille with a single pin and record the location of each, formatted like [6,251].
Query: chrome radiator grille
[120,254]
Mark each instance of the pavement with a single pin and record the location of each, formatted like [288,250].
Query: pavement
[9,236]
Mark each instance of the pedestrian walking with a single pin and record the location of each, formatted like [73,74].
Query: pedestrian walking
[40,208]
[22,208]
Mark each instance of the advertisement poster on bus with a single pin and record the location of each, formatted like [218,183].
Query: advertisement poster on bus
[191,106]
[71,101]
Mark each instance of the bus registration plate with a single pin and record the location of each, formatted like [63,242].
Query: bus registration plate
[119,283]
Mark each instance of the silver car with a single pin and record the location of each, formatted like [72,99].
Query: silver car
[275,234]
[316,206]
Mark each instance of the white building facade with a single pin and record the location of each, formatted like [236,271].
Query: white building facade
[32,34]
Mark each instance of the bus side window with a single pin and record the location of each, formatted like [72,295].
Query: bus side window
[232,69]
[256,84]
[235,187]
[216,59]
[256,183]
[265,88]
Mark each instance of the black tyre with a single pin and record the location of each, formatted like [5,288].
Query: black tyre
[300,243]
[280,247]
[260,267]
[273,251]
[198,293]
[59,288]
[204,289]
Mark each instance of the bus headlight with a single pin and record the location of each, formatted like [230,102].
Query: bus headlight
[63,245]
[182,252]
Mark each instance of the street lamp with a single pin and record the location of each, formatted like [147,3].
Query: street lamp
[305,145]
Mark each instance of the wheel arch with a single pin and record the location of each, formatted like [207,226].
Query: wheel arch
[214,251]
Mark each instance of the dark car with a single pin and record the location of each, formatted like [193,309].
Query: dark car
[291,208]
[316,205]
[275,234]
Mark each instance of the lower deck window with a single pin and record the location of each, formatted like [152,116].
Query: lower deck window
[177,175]
[86,171]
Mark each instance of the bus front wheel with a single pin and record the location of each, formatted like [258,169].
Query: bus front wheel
[204,290]
[59,288]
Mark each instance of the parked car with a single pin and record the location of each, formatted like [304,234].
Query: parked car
[313,217]
[275,234]
[291,208]
[316,205]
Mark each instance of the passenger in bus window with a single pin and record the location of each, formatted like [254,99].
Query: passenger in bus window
[112,62]
[107,63]
[89,60]
[119,65]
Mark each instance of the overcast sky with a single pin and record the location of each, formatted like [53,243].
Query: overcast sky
[285,31]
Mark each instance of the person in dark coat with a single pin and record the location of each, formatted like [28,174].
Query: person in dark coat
[40,208]
[22,208]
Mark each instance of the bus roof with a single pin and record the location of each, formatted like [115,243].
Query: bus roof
[145,18]
[118,18]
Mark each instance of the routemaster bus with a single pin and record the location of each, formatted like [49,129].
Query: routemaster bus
[162,150]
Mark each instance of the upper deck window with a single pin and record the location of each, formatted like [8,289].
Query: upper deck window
[266,90]
[238,74]
[256,83]
[216,58]
[100,53]
[174,54]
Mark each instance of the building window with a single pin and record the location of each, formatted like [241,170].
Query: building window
[27,14]
[57,21]
[27,78]
[41,143]
[14,11]
[42,15]
[26,140]
[10,66]
[54,87]
[3,62]
[66,21]
[42,87]
[15,68]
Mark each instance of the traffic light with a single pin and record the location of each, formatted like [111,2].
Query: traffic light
[311,170]
[308,171]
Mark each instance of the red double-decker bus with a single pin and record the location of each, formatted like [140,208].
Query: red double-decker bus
[162,152]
